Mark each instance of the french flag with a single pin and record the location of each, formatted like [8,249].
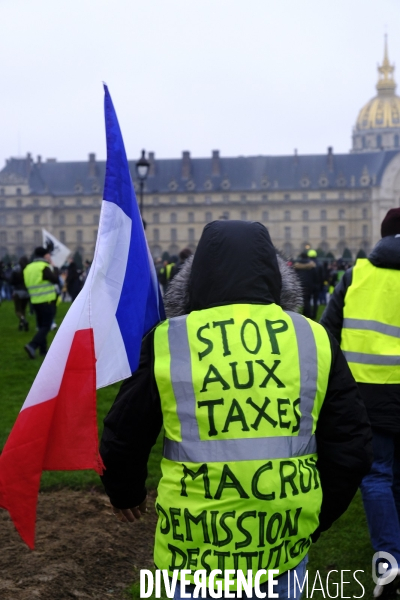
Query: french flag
[97,344]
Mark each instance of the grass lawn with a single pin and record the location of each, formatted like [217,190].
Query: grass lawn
[345,546]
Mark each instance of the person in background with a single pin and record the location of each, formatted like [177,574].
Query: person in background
[364,316]
[183,256]
[164,274]
[40,277]
[264,427]
[306,270]
[20,294]
[318,284]
[73,280]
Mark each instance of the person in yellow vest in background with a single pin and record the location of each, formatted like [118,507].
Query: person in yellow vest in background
[40,277]
[266,438]
[364,316]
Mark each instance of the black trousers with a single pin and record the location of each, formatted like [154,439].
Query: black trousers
[44,318]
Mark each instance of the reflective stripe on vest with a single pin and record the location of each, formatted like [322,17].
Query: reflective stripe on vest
[241,389]
[39,290]
[192,449]
[371,325]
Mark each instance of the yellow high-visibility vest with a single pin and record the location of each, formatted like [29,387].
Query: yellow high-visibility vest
[371,324]
[241,389]
[168,270]
[38,288]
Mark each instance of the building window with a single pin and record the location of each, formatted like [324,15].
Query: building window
[364,213]
[78,202]
[3,220]
[305,233]
[225,215]
[18,191]
[342,231]
[173,218]
[323,215]
[243,198]
[323,195]
[287,196]
[287,215]
[156,217]
[18,219]
[37,238]
[61,219]
[191,234]
[174,236]
[156,200]
[365,231]
[2,203]
[96,219]
[265,215]
[190,200]
[2,192]
[265,197]
[208,217]
[156,235]
[324,232]
[61,202]
[79,236]
[3,237]
[94,235]
[172,199]
[341,213]
[304,196]
[305,215]
[243,215]
[19,203]
[341,195]
[36,219]
[288,233]
[79,219]
[191,217]
[62,237]
[225,198]
[207,200]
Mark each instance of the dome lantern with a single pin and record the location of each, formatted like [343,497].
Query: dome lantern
[386,84]
[378,123]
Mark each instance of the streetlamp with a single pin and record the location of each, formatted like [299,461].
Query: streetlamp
[142,170]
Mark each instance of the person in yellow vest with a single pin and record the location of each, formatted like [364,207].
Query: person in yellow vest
[40,277]
[364,316]
[266,439]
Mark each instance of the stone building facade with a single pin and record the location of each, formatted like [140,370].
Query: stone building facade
[331,201]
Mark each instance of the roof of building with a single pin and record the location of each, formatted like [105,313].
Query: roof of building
[207,175]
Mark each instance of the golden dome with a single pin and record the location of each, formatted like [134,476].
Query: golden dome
[383,111]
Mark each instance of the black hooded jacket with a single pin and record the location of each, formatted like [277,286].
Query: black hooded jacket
[235,262]
[381,400]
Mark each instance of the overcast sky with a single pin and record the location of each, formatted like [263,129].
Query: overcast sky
[244,77]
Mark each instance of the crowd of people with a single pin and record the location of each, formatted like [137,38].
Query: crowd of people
[269,416]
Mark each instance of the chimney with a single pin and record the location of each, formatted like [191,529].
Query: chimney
[28,163]
[215,164]
[330,158]
[296,158]
[92,165]
[39,159]
[185,165]
[152,168]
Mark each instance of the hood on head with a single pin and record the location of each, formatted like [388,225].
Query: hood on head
[235,262]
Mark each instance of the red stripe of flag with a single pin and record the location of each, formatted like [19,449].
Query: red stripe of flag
[58,434]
